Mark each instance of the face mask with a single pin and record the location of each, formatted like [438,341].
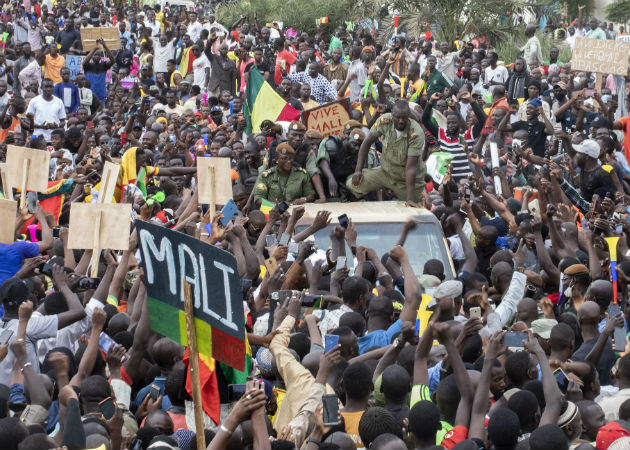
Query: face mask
[567,292]
[517,143]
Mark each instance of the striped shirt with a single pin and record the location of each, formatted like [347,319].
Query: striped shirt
[460,165]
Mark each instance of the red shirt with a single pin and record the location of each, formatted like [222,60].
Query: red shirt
[284,55]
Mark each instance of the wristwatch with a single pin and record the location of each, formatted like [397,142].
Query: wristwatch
[398,343]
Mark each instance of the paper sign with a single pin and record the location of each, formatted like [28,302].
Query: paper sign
[598,55]
[168,259]
[110,35]
[111,232]
[494,156]
[328,119]
[75,64]
[8,210]
[222,180]
[108,182]
[36,168]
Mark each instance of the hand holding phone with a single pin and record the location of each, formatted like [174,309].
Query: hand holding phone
[332,340]
[513,339]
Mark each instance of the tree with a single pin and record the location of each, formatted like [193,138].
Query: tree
[618,11]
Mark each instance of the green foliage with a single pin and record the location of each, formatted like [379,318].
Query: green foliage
[509,49]
[299,14]
[618,11]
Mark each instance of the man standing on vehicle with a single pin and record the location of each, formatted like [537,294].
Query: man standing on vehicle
[402,169]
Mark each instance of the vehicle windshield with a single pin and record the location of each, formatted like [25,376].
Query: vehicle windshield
[423,243]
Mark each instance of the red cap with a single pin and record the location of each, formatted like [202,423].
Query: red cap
[608,434]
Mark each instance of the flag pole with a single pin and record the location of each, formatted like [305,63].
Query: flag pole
[194,366]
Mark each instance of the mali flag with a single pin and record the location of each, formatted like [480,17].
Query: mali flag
[210,401]
[263,103]
[265,207]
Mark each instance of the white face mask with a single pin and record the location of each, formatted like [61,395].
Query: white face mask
[568,291]
[517,143]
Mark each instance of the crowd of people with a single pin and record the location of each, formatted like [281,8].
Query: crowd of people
[525,348]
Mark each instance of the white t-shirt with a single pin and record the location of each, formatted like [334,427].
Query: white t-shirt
[199,71]
[39,327]
[498,75]
[194,30]
[46,111]
[162,55]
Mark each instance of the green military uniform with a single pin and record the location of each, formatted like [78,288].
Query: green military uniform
[396,149]
[274,187]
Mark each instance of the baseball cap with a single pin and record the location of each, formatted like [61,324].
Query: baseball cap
[14,291]
[588,147]
[608,434]
[542,327]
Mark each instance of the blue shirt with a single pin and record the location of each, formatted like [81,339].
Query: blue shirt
[11,257]
[68,89]
[379,338]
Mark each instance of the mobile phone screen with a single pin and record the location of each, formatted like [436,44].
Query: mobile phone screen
[228,211]
[514,339]
[107,408]
[5,336]
[330,409]
[332,340]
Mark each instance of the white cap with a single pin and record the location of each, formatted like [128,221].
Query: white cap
[588,147]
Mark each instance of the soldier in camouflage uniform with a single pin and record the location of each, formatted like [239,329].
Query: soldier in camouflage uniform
[284,182]
[402,169]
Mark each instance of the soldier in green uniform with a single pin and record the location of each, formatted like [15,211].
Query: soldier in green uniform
[402,169]
[284,182]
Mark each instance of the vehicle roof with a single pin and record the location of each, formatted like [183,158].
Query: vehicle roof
[368,212]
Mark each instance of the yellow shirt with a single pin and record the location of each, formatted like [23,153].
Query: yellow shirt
[352,420]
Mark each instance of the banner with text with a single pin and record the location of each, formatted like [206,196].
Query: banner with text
[169,258]
[329,118]
[598,55]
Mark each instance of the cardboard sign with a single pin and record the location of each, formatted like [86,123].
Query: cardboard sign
[6,187]
[75,64]
[27,168]
[8,210]
[110,35]
[108,182]
[221,182]
[598,55]
[170,258]
[99,226]
[329,118]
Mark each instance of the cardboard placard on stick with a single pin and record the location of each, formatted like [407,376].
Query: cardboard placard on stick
[8,210]
[110,35]
[328,119]
[27,169]
[598,55]
[214,180]
[108,182]
[7,190]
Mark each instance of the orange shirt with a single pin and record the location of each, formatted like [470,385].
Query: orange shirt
[52,68]
[352,420]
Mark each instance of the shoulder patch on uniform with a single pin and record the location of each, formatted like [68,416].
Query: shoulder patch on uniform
[301,169]
[385,120]
[413,135]
[262,186]
[266,173]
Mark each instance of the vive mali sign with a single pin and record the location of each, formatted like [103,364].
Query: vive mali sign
[170,258]
[328,119]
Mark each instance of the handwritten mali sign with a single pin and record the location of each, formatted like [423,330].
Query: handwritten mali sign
[328,119]
[75,64]
[598,55]
[110,36]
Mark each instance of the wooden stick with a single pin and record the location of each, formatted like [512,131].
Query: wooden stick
[27,162]
[194,365]
[213,190]
[95,250]
[6,189]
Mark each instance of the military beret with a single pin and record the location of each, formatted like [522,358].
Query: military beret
[313,134]
[296,126]
[351,124]
[576,269]
[357,135]
[285,149]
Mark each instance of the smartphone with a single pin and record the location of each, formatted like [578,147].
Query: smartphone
[284,239]
[94,177]
[46,269]
[271,240]
[294,247]
[467,192]
[235,392]
[514,339]
[562,380]
[228,211]
[154,392]
[282,207]
[341,263]
[475,312]
[309,300]
[173,139]
[5,336]
[343,220]
[330,410]
[332,340]
[105,342]
[89,283]
[619,333]
[31,199]
[55,232]
[589,92]
[147,100]
[618,228]
[416,330]
[123,138]
[90,124]
[107,408]
[271,265]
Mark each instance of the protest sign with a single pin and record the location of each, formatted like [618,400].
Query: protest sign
[27,169]
[170,259]
[89,36]
[215,182]
[602,56]
[108,182]
[8,210]
[75,64]
[328,119]
[7,191]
